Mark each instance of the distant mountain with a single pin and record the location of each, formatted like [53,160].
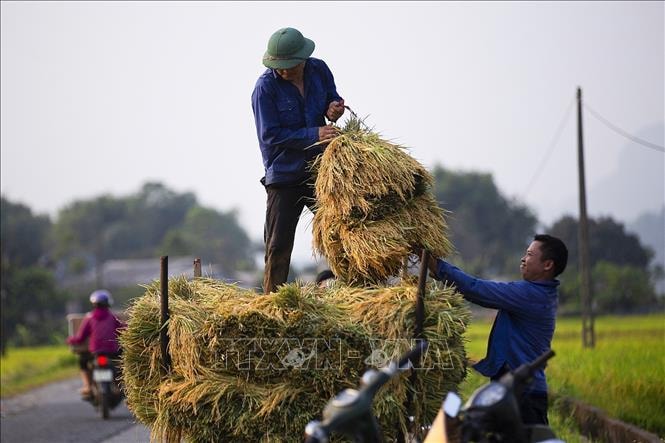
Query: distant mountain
[637,185]
[650,228]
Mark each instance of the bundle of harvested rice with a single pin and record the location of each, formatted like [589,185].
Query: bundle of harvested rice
[259,368]
[374,206]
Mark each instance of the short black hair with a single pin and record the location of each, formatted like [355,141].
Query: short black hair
[324,275]
[553,249]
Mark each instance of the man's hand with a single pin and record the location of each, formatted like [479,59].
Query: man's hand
[335,110]
[327,132]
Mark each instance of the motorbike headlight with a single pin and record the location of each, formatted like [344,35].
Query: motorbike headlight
[488,395]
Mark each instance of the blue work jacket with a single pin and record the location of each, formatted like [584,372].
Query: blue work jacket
[287,124]
[524,325]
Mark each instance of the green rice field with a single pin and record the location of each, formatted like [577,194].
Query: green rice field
[26,368]
[624,374]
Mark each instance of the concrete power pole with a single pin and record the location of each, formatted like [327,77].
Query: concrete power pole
[588,336]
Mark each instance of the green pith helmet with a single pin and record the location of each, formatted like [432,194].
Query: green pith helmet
[287,48]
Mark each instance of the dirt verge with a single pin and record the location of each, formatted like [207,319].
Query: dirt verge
[594,423]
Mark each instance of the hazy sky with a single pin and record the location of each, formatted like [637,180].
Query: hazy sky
[100,97]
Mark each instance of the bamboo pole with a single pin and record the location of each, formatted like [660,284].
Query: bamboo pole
[164,304]
[197,267]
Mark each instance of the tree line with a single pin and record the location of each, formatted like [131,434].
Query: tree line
[489,231]
[37,253]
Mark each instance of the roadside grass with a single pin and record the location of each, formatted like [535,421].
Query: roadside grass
[623,374]
[22,369]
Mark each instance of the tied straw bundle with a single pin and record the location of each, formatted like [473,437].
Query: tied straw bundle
[374,207]
[251,368]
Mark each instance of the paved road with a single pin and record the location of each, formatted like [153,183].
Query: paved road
[55,413]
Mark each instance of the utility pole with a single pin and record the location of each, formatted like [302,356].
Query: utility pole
[588,336]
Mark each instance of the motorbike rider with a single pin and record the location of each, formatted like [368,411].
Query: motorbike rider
[102,328]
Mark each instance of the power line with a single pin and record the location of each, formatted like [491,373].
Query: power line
[621,131]
[550,149]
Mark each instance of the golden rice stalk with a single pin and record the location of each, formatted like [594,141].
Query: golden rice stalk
[374,207]
[358,169]
[368,252]
[210,396]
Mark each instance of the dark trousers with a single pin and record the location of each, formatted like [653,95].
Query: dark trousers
[533,407]
[283,209]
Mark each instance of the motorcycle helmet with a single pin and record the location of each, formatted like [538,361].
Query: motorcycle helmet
[101,297]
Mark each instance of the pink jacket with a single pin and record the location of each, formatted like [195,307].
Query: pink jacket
[102,328]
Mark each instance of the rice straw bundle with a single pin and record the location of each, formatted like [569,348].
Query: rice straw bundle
[259,368]
[374,206]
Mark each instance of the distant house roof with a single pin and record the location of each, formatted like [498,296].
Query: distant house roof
[128,272]
[141,271]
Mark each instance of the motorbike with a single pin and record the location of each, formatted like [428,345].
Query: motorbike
[350,412]
[491,414]
[106,392]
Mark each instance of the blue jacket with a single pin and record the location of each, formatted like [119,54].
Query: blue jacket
[523,327]
[287,124]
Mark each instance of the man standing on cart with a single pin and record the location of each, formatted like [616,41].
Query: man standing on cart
[291,101]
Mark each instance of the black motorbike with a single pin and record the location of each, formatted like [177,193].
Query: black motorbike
[492,413]
[350,412]
[106,392]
